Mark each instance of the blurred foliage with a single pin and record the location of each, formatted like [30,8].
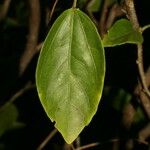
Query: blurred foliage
[120,99]
[8,118]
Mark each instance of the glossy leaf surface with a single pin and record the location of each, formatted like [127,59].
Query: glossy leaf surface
[120,33]
[70,73]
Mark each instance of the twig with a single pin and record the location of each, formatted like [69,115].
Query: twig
[28,86]
[147,76]
[52,11]
[87,6]
[143,142]
[132,13]
[103,17]
[74,3]
[34,23]
[145,27]
[72,146]
[129,144]
[5,8]
[115,145]
[47,139]
[141,69]
[115,12]
[144,98]
[77,142]
[68,147]
[39,46]
[87,146]
[133,18]
[144,134]
[128,116]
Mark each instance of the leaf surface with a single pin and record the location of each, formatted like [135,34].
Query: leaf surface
[70,73]
[120,33]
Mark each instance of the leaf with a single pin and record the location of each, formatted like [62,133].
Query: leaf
[121,99]
[139,115]
[8,116]
[94,5]
[70,73]
[120,33]
[81,3]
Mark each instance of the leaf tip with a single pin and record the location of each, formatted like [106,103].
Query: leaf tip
[68,137]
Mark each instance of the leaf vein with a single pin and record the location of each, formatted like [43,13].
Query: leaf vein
[88,47]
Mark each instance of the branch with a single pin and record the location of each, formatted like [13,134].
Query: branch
[141,69]
[144,134]
[103,17]
[87,146]
[115,12]
[145,27]
[133,18]
[47,139]
[128,116]
[108,15]
[39,46]
[144,97]
[77,142]
[28,86]
[68,147]
[34,24]
[53,9]
[4,10]
[74,4]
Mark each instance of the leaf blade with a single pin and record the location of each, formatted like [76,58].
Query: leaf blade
[120,33]
[71,81]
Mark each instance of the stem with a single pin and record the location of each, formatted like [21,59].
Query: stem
[47,139]
[132,13]
[32,40]
[28,86]
[77,142]
[4,9]
[144,98]
[145,27]
[74,4]
[133,18]
[53,9]
[103,18]
[88,146]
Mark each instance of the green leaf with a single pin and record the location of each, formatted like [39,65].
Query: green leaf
[70,73]
[121,99]
[94,5]
[139,115]
[8,116]
[120,33]
[91,6]
[81,3]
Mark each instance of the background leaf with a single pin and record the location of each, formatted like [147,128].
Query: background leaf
[70,73]
[81,3]
[94,5]
[121,99]
[8,117]
[120,33]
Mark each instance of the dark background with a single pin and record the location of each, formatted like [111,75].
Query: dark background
[121,73]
